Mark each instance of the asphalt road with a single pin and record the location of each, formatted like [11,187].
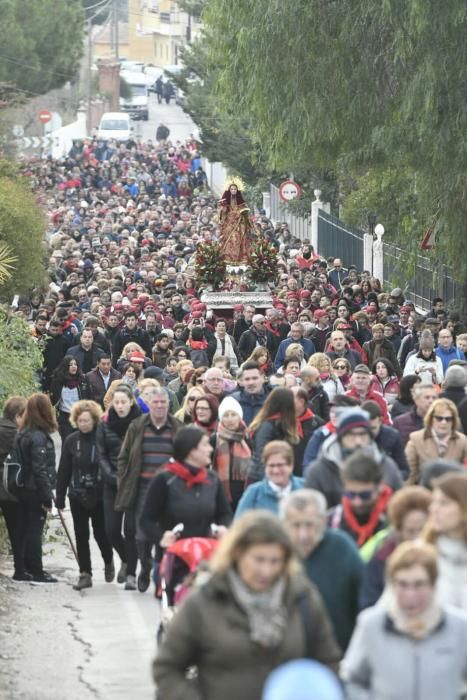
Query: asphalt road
[171,115]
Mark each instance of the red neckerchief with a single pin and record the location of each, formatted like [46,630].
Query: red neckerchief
[274,331]
[305,416]
[364,532]
[180,470]
[198,344]
[330,426]
[208,427]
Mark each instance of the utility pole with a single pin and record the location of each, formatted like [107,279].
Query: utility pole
[88,111]
[115,33]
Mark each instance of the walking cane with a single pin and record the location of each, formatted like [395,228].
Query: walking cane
[67,532]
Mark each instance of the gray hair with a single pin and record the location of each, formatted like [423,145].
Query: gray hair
[302,499]
[455,376]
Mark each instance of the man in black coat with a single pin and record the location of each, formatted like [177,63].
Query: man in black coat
[318,400]
[257,335]
[54,350]
[387,438]
[86,354]
[130,333]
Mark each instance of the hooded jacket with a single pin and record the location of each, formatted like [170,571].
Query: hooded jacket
[324,473]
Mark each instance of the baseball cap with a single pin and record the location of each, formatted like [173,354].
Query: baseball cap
[361,369]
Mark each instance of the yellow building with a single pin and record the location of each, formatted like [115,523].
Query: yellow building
[156,31]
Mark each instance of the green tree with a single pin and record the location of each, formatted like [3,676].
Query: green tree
[353,86]
[22,358]
[41,44]
[22,229]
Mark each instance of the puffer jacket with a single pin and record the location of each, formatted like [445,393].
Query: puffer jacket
[324,475]
[239,668]
[38,458]
[108,444]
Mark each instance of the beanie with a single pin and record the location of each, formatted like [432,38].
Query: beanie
[302,679]
[351,418]
[230,404]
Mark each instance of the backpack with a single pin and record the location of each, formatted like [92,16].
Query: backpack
[12,474]
[199,358]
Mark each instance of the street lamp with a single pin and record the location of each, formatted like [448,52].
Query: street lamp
[371,223]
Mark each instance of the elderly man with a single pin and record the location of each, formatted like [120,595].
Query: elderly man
[213,383]
[146,448]
[297,333]
[341,348]
[360,389]
[257,335]
[330,558]
[446,349]
[407,423]
[337,274]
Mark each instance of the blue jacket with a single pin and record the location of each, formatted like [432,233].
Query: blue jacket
[307,345]
[250,403]
[261,495]
[446,356]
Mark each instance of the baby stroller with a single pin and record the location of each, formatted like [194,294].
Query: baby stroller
[179,568]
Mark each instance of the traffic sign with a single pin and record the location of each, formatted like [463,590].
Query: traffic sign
[18,130]
[288,190]
[45,116]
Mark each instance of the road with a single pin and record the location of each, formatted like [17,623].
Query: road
[60,644]
[171,115]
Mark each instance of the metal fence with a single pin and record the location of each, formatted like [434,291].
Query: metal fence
[337,239]
[429,280]
[300,227]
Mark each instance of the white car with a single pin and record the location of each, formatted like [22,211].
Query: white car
[115,125]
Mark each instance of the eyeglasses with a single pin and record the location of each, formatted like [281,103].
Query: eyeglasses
[202,408]
[444,419]
[362,495]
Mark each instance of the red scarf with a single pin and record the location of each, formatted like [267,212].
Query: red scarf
[308,414]
[180,470]
[364,532]
[272,330]
[330,426]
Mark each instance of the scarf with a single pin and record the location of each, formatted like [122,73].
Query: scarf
[419,628]
[301,419]
[232,456]
[72,382]
[442,444]
[271,329]
[208,427]
[364,532]
[228,349]
[266,612]
[118,425]
[186,473]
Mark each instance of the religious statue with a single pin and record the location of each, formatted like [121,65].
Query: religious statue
[235,227]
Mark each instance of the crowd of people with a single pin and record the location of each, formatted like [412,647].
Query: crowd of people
[324,437]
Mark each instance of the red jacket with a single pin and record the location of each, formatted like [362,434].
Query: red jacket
[378,398]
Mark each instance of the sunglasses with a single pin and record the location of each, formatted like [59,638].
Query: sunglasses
[444,419]
[340,366]
[362,495]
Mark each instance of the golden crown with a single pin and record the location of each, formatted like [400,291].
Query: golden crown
[233,180]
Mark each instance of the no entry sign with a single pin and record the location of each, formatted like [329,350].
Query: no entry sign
[45,116]
[288,190]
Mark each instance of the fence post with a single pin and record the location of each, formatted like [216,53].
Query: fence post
[368,252]
[316,205]
[378,269]
[267,204]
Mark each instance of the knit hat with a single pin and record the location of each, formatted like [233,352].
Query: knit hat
[136,357]
[230,404]
[320,313]
[455,377]
[427,342]
[351,418]
[302,679]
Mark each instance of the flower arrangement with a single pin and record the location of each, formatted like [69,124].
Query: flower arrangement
[263,261]
[210,265]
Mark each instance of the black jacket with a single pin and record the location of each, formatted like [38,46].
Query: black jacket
[249,340]
[8,432]
[456,394]
[78,467]
[124,336]
[108,444]
[389,441]
[55,349]
[318,401]
[57,386]
[38,458]
[87,360]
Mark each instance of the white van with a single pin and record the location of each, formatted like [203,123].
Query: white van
[115,125]
[137,102]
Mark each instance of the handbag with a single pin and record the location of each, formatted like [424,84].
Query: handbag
[11,474]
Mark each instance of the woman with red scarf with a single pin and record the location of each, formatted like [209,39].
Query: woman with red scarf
[307,423]
[206,413]
[186,493]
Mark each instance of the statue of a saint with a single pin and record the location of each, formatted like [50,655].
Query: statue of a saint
[235,227]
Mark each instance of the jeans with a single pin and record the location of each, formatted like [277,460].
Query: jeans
[142,545]
[25,523]
[64,426]
[124,546]
[81,517]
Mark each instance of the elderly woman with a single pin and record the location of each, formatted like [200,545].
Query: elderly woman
[331,383]
[407,513]
[410,646]
[439,438]
[278,460]
[255,612]
[206,413]
[78,474]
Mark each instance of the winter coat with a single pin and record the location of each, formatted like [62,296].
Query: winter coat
[422,366]
[250,339]
[130,460]
[57,386]
[408,423]
[261,495]
[318,401]
[212,631]
[389,442]
[456,394]
[307,345]
[96,385]
[38,458]
[124,336]
[377,398]
[324,473]
[79,355]
[266,432]
[374,351]
[390,390]
[421,448]
[452,572]
[108,445]
[446,356]
[353,357]
[78,472]
[250,403]
[8,432]
[384,664]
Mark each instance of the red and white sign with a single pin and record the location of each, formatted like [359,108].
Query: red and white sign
[45,116]
[429,236]
[288,190]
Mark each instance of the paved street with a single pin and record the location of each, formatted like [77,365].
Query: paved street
[172,115]
[81,646]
